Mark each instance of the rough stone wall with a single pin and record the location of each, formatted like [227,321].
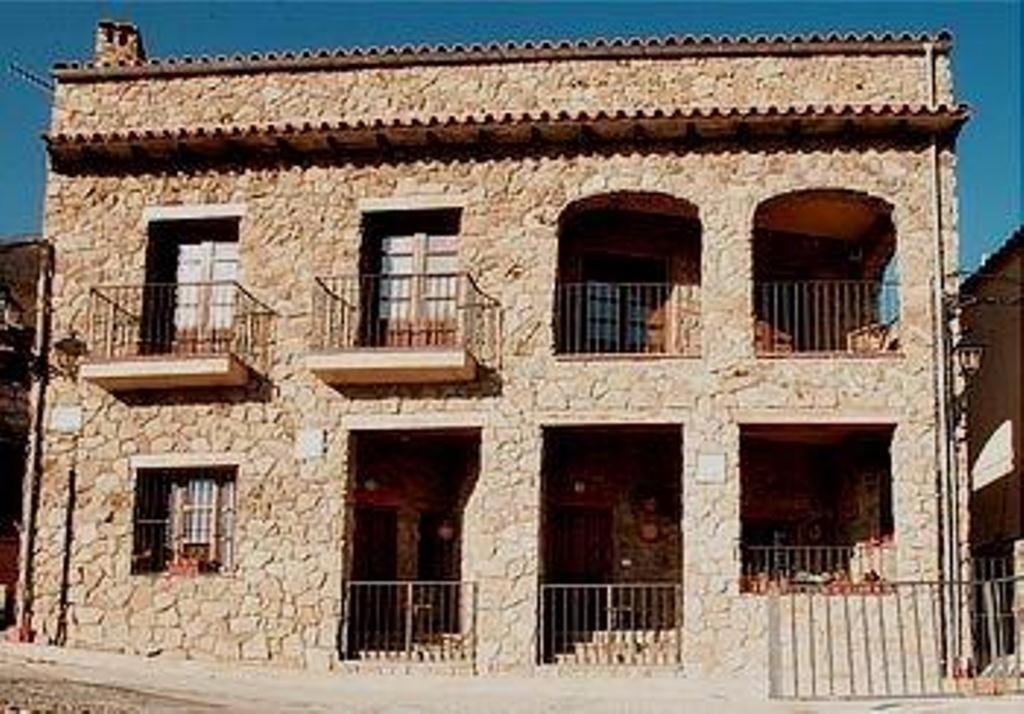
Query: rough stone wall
[573,86]
[281,601]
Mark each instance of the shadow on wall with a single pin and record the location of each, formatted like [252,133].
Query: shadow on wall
[195,164]
[487,384]
[259,389]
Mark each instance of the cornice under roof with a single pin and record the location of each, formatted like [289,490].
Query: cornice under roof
[488,132]
[494,52]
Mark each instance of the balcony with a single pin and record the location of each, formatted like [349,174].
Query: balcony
[612,318]
[863,568]
[410,622]
[402,329]
[175,335]
[842,318]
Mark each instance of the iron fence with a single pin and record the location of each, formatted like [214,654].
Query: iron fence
[990,567]
[863,567]
[420,310]
[627,318]
[410,621]
[899,643]
[627,624]
[155,319]
[837,316]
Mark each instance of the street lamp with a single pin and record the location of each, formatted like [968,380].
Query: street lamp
[968,354]
[70,349]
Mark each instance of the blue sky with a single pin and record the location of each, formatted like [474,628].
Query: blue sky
[987,65]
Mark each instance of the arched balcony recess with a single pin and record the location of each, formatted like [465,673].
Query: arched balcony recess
[628,275]
[823,278]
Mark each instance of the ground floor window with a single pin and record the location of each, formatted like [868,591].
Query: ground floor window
[184,520]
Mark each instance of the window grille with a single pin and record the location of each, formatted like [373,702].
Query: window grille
[184,520]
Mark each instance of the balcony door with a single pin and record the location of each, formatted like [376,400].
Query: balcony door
[624,303]
[579,545]
[205,295]
[188,302]
[415,294]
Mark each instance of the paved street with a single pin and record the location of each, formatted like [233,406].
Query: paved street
[51,679]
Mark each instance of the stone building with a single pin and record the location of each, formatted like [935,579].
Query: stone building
[994,319]
[499,357]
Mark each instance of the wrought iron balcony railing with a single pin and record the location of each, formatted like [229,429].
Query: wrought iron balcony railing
[409,311]
[410,621]
[179,319]
[852,317]
[611,624]
[627,318]
[864,567]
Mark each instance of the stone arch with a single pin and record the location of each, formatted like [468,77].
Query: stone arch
[823,278]
[807,232]
[628,273]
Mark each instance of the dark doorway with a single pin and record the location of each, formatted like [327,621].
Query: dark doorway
[580,545]
[375,543]
[437,538]
[404,593]
[611,545]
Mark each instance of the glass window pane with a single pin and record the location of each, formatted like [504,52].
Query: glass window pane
[444,263]
[199,510]
[396,264]
[390,245]
[442,244]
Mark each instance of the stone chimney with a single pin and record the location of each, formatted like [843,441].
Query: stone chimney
[118,43]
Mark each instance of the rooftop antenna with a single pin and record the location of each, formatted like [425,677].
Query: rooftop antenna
[29,77]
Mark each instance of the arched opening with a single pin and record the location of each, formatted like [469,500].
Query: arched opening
[628,275]
[824,279]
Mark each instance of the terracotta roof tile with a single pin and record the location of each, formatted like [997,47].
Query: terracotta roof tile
[957,112]
[77,151]
[542,50]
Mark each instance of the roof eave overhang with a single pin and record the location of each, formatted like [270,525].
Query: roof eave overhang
[681,128]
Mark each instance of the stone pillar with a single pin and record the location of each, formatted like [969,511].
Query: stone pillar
[501,547]
[715,631]
[914,505]
[711,531]
[726,281]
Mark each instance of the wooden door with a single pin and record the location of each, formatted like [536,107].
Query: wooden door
[625,304]
[437,557]
[414,300]
[376,620]
[375,544]
[205,294]
[579,545]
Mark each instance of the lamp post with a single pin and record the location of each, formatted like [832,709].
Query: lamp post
[68,352]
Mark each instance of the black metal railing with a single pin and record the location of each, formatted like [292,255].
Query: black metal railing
[155,319]
[831,316]
[410,621]
[864,567]
[628,624]
[915,639]
[627,318]
[420,310]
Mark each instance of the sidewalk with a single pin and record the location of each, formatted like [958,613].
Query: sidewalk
[50,678]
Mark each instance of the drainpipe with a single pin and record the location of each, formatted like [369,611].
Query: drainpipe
[949,541]
[34,457]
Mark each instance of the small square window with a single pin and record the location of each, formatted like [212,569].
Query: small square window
[184,520]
